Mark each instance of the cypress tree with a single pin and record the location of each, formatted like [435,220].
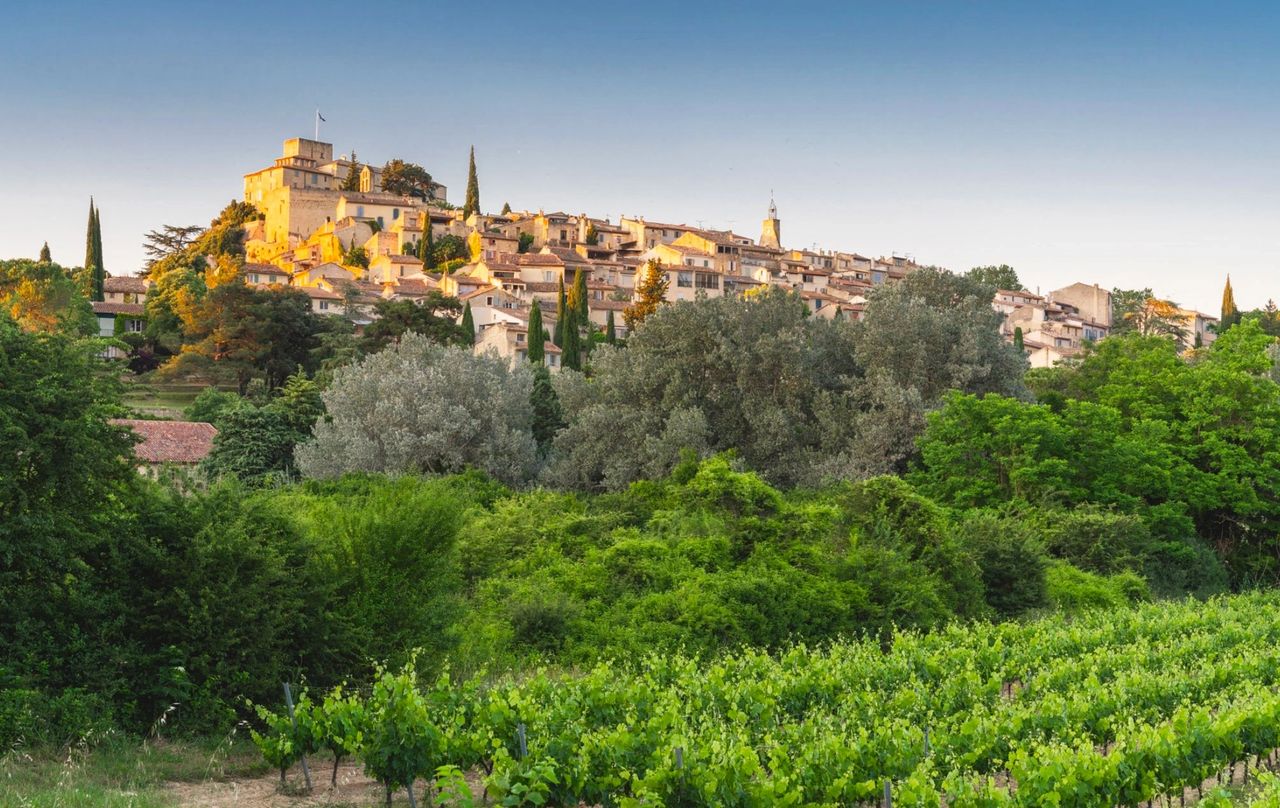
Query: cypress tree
[506,208]
[547,416]
[560,315]
[100,271]
[1230,314]
[610,332]
[427,246]
[572,356]
[582,314]
[1017,338]
[537,347]
[469,324]
[472,203]
[45,256]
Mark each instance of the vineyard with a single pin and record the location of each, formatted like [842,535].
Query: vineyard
[1127,707]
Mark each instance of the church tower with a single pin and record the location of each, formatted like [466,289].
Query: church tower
[771,233]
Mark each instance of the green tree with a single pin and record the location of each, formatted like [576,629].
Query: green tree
[451,248]
[468,325]
[95,273]
[426,245]
[997,277]
[1230,314]
[1017,339]
[351,182]
[45,256]
[650,294]
[472,203]
[506,208]
[41,296]
[580,308]
[356,256]
[526,241]
[408,179]
[610,331]
[593,237]
[562,315]
[537,348]
[548,418]
[572,355]
[435,318]
[933,332]
[254,444]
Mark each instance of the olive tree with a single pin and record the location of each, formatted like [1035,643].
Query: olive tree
[422,407]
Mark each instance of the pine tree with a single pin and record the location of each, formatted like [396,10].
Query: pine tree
[1230,314]
[610,331]
[561,311]
[582,314]
[537,348]
[469,324]
[652,292]
[506,208]
[547,416]
[45,256]
[472,203]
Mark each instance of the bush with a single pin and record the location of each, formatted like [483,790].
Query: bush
[1012,559]
[1071,589]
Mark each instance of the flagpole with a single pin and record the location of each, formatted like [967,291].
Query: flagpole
[317,123]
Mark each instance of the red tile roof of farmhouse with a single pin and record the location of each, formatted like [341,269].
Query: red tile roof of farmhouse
[170,441]
[107,307]
[124,283]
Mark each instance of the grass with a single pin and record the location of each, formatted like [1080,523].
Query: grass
[161,400]
[120,772]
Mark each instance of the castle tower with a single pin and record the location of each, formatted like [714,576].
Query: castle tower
[771,232]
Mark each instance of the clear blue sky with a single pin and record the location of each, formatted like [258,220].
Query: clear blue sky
[1129,144]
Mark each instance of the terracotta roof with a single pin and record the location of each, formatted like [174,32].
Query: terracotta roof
[541,260]
[316,293]
[124,283]
[170,441]
[539,286]
[101,307]
[606,304]
[265,269]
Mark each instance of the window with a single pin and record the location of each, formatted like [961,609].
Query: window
[324,305]
[548,276]
[133,326]
[684,279]
[808,279]
[395,214]
[707,280]
[564,235]
[380,222]
[519,337]
[254,279]
[553,360]
[359,211]
[488,301]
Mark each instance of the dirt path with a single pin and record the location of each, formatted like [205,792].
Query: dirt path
[354,789]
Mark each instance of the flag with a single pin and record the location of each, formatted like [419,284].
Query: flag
[321,117]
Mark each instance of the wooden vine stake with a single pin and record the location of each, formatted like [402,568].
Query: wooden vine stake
[293,719]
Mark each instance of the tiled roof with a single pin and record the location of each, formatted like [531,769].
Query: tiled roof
[540,260]
[170,441]
[539,286]
[316,293]
[101,307]
[124,283]
[265,269]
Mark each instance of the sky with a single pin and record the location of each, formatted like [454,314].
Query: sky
[1128,144]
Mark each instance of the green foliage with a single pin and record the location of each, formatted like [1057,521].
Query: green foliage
[435,318]
[997,277]
[210,405]
[41,296]
[472,202]
[254,444]
[468,325]
[408,179]
[451,248]
[356,256]
[401,744]
[526,241]
[1071,589]
[548,419]
[1012,559]
[537,346]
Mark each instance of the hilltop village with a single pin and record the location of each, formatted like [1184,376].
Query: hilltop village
[344,234]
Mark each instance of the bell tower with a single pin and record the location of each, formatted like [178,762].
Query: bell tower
[771,232]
